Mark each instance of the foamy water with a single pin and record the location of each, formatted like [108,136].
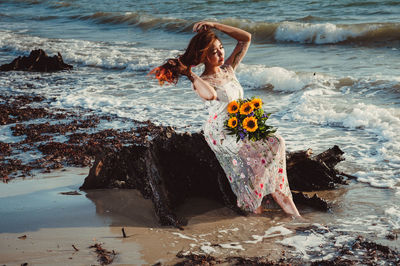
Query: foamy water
[328,74]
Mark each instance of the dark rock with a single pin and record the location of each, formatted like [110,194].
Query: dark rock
[315,201]
[173,166]
[37,60]
[314,173]
[168,170]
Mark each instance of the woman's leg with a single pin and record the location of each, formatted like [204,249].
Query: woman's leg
[286,203]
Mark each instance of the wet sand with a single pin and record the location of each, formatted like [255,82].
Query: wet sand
[60,228]
[53,222]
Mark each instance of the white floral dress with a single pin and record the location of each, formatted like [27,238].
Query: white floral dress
[254,168]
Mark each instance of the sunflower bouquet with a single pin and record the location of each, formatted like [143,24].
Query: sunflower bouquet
[246,118]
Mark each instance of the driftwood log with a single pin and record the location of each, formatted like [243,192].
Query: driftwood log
[37,60]
[172,167]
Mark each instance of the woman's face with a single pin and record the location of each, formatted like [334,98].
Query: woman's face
[216,54]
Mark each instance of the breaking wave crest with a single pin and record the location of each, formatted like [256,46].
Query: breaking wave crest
[366,34]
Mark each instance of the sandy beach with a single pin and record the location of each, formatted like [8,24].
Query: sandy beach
[42,226]
[53,223]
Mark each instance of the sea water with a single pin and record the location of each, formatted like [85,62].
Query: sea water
[327,70]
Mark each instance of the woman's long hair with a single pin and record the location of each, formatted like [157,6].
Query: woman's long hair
[195,54]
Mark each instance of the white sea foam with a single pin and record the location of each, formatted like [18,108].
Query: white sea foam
[393,213]
[380,124]
[184,236]
[281,79]
[381,179]
[270,233]
[304,243]
[260,76]
[365,225]
[313,33]
[228,230]
[207,249]
[353,116]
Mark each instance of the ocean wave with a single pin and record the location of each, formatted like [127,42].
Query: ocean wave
[328,33]
[115,55]
[356,123]
[369,3]
[384,121]
[280,79]
[284,80]
[366,34]
[379,123]
[310,18]
[138,19]
[301,31]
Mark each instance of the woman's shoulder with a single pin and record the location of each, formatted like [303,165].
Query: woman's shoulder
[225,68]
[220,78]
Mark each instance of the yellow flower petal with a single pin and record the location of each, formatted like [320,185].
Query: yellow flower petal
[232,122]
[257,103]
[250,124]
[233,107]
[246,108]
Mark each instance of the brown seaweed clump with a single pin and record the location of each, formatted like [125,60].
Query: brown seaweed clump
[104,256]
[79,147]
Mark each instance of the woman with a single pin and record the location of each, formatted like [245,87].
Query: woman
[254,169]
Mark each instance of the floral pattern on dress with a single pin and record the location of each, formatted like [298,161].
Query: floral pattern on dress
[254,169]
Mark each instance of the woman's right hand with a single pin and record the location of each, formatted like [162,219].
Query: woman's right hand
[203,26]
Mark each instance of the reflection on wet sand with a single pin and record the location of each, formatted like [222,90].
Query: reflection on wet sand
[123,207]
[127,207]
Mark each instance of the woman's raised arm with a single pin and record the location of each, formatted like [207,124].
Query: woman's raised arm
[243,37]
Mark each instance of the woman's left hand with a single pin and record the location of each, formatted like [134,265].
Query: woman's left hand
[203,26]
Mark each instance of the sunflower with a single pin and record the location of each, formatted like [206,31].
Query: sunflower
[246,108]
[233,107]
[250,124]
[257,103]
[232,122]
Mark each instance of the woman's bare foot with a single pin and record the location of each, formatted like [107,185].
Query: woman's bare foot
[259,210]
[299,218]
